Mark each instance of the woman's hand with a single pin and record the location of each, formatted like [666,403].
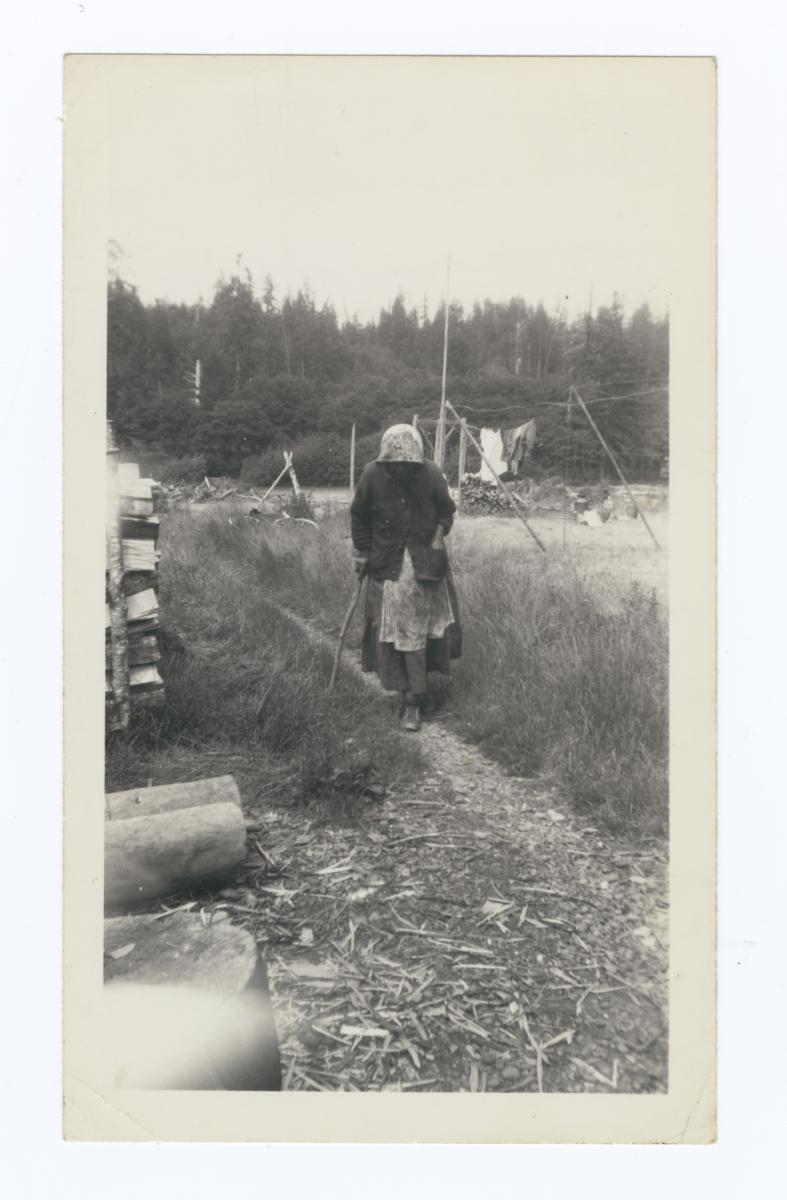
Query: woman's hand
[438,541]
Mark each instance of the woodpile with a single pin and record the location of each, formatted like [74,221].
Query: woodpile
[132,652]
[171,494]
[651,497]
[483,496]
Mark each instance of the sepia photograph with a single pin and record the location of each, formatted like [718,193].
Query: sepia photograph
[387,374]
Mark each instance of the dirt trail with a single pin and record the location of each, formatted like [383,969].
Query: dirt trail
[470,932]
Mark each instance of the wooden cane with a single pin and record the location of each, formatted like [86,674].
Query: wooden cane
[345,626]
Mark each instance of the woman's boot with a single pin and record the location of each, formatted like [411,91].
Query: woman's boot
[411,717]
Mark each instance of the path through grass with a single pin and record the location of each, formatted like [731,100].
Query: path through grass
[564,673]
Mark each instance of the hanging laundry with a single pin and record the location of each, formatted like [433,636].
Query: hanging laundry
[518,445]
[492,446]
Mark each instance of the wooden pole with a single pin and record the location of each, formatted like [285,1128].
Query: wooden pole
[348,616]
[425,437]
[462,457]
[290,469]
[352,459]
[277,480]
[504,486]
[614,462]
[439,441]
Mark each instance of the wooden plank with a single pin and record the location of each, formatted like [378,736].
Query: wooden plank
[131,507]
[142,605]
[169,797]
[139,581]
[139,683]
[145,675]
[139,527]
[146,625]
[143,649]
[136,489]
[139,554]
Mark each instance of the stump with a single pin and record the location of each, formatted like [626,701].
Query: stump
[187,1006]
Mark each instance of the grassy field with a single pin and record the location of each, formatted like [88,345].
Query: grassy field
[564,671]
[247,692]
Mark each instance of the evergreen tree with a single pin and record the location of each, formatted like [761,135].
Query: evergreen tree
[274,373]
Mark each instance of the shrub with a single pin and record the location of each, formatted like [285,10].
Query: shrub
[190,469]
[320,460]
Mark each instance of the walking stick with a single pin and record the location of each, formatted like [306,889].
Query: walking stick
[348,616]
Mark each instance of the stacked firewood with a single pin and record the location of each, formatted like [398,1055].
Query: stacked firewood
[132,607]
[482,496]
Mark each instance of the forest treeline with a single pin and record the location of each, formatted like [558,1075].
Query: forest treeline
[233,382]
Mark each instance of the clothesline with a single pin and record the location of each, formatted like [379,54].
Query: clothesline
[493,413]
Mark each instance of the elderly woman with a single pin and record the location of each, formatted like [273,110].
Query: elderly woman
[400,514]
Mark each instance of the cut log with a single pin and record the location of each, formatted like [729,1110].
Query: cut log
[139,687]
[170,797]
[135,626]
[139,527]
[140,650]
[142,605]
[139,581]
[144,678]
[139,554]
[135,489]
[146,625]
[131,507]
[187,1006]
[157,855]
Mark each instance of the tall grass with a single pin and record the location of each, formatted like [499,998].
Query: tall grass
[244,683]
[564,672]
[563,676]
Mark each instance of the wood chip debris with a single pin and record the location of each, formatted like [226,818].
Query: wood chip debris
[122,951]
[399,957]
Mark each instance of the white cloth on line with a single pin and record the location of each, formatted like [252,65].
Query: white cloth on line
[492,446]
